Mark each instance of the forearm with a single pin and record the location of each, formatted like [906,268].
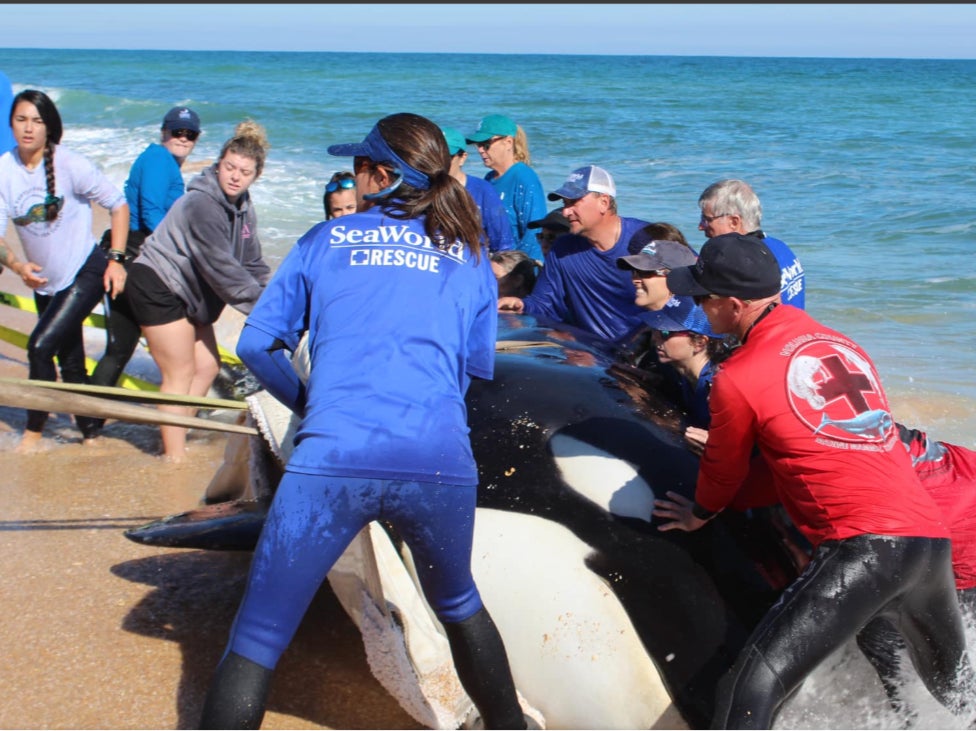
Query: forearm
[120,227]
[7,257]
[267,359]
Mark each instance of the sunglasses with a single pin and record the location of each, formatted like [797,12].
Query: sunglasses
[185,133]
[644,274]
[41,212]
[344,183]
[488,143]
[668,334]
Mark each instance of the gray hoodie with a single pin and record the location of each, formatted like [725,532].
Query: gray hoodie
[206,250]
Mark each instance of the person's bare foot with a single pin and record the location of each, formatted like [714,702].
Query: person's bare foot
[174,458]
[29,443]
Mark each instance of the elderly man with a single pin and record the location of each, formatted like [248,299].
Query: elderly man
[732,206]
[580,284]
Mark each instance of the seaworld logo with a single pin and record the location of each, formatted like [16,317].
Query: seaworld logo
[400,235]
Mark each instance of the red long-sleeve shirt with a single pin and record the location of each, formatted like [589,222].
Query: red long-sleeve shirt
[948,473]
[813,402]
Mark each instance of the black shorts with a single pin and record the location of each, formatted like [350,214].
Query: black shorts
[151,301]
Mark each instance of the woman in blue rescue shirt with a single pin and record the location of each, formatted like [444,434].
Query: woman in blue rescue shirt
[399,302]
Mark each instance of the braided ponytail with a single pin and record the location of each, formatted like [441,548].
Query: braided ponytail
[51,206]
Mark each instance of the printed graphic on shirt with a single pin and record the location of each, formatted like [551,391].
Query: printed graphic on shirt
[835,391]
[790,280]
[36,213]
[393,245]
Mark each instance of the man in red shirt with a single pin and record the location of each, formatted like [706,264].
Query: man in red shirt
[812,401]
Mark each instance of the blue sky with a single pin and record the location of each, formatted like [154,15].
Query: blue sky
[815,30]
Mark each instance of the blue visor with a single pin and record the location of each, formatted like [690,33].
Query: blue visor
[375,148]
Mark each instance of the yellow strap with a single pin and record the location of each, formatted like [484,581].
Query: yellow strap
[96,320]
[17,338]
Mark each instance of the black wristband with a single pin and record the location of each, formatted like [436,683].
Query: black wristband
[116,255]
[699,512]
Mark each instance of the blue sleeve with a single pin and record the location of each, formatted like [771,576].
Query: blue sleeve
[495,220]
[484,330]
[530,205]
[793,279]
[154,184]
[159,190]
[282,308]
[548,298]
[266,357]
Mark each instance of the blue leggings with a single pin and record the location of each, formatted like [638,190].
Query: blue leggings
[311,521]
[847,583]
[58,333]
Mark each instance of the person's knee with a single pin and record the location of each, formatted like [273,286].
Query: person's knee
[750,694]
[457,608]
[43,346]
[207,369]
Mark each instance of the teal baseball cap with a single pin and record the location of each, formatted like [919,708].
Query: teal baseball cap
[494,125]
[455,140]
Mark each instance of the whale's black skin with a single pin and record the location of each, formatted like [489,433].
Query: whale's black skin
[700,593]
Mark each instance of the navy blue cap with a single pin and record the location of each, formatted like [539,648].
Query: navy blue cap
[181,118]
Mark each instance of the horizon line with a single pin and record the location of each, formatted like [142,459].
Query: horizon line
[489,53]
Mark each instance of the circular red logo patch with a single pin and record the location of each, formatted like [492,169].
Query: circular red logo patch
[835,391]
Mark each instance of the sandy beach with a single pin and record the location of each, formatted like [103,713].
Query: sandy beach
[100,632]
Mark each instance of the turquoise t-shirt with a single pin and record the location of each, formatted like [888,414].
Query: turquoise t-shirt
[525,200]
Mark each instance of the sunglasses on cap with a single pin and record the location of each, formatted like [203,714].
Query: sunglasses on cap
[185,133]
[344,184]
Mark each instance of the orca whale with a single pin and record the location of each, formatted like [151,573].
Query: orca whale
[609,623]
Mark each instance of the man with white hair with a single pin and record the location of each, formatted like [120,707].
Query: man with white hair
[732,206]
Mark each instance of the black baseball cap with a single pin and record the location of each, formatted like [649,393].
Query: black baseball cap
[554,220]
[730,265]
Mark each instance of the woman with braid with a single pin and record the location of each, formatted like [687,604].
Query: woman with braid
[47,190]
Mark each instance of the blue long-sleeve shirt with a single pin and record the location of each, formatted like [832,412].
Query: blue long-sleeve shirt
[153,185]
[582,286]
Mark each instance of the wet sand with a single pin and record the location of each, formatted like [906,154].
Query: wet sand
[100,632]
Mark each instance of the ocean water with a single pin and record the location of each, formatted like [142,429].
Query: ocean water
[865,167]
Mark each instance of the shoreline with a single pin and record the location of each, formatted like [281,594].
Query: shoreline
[90,617]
